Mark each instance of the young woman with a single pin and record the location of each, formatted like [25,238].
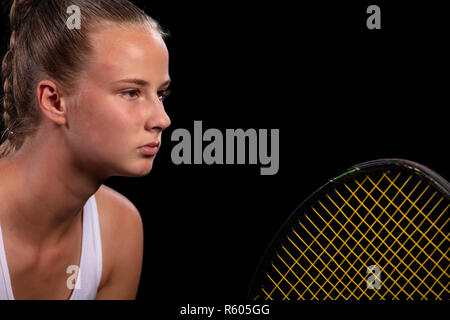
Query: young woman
[80,105]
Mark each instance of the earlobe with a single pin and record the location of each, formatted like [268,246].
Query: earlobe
[51,102]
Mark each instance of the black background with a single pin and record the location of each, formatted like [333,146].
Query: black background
[339,93]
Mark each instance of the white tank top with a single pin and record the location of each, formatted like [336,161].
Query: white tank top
[90,271]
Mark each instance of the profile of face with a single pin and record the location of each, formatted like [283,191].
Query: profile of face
[118,106]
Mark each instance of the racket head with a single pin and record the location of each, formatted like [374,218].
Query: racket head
[389,214]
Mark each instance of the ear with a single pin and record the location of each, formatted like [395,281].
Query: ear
[51,102]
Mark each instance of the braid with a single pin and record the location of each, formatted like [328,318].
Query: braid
[10,112]
[20,12]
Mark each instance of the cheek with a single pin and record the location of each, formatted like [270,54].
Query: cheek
[108,124]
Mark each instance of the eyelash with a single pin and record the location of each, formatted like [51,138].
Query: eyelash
[162,94]
[130,91]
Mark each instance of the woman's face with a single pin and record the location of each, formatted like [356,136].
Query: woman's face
[119,105]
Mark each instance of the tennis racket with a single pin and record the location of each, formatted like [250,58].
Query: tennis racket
[377,232]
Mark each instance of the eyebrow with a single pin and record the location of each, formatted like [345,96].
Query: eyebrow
[142,82]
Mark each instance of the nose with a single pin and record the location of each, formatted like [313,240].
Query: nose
[157,118]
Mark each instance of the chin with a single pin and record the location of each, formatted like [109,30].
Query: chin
[143,169]
[144,173]
[131,166]
[138,169]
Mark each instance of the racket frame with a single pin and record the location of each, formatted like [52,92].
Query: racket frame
[362,168]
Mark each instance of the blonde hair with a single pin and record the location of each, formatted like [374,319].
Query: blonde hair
[43,47]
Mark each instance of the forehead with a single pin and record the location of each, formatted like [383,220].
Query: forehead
[124,51]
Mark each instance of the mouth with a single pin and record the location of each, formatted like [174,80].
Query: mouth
[150,149]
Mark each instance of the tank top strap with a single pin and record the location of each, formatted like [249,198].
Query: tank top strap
[90,269]
[6,292]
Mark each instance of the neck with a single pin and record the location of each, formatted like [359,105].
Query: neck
[44,190]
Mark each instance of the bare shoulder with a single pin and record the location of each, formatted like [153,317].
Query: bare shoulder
[117,214]
[122,243]
[111,198]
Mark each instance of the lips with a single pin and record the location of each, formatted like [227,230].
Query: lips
[152,144]
[150,149]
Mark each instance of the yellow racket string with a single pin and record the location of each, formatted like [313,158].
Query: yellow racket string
[312,264]
[394,222]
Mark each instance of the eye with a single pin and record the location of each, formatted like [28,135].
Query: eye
[131,94]
[162,94]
